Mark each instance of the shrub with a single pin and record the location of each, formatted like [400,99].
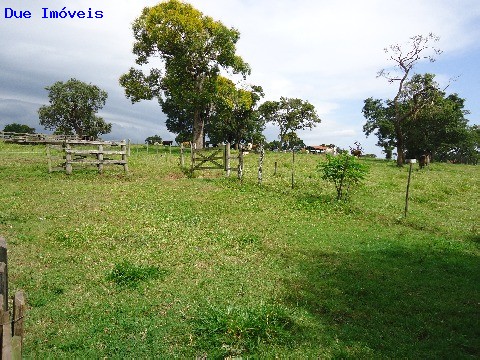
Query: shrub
[344,171]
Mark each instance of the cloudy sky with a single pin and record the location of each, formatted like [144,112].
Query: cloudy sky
[326,52]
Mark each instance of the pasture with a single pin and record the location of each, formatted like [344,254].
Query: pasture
[158,264]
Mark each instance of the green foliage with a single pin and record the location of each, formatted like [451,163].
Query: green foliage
[19,128]
[439,129]
[239,330]
[193,49]
[344,171]
[72,109]
[290,115]
[414,92]
[234,116]
[153,139]
[130,275]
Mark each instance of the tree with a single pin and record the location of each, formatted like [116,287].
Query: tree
[72,109]
[192,48]
[293,142]
[234,116]
[289,115]
[151,140]
[439,128]
[344,171]
[19,128]
[413,92]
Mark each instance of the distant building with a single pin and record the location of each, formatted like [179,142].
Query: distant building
[322,149]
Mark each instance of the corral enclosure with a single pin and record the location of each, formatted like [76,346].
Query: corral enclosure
[154,263]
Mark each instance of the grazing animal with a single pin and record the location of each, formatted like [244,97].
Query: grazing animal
[356,152]
[424,160]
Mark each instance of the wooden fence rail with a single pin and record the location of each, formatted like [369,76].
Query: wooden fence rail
[11,331]
[212,159]
[98,156]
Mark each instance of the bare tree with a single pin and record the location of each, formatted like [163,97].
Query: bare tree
[413,92]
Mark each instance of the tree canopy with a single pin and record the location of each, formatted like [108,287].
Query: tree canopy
[193,48]
[413,92]
[151,140]
[72,109]
[290,115]
[439,128]
[234,117]
[19,128]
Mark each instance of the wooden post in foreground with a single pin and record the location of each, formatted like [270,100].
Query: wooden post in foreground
[240,162]
[19,310]
[3,273]
[227,159]
[100,159]
[125,153]
[182,156]
[260,164]
[293,168]
[68,159]
[193,148]
[411,161]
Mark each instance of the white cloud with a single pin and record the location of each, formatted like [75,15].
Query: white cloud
[327,52]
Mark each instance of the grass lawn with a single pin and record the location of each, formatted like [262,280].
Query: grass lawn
[157,264]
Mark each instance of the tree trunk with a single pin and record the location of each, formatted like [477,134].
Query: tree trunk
[198,126]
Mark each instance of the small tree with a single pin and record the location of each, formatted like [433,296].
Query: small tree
[344,171]
[72,109]
[19,128]
[289,115]
[151,140]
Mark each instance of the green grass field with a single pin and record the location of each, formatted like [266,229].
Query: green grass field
[157,264]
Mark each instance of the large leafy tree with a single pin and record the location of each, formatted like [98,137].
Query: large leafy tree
[290,115]
[438,128]
[19,128]
[72,109]
[192,49]
[412,94]
[234,116]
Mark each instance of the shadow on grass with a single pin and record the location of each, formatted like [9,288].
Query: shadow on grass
[393,302]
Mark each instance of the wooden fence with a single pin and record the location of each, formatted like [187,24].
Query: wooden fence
[211,159]
[21,138]
[11,331]
[87,153]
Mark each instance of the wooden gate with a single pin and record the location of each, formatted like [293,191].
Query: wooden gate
[213,159]
[208,159]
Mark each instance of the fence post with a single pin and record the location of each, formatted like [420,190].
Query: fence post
[125,153]
[100,159]
[6,336]
[293,168]
[227,159]
[193,148]
[411,161]
[182,156]
[49,158]
[18,315]
[240,162]
[68,159]
[260,164]
[4,273]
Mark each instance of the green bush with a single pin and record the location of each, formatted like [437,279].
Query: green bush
[344,171]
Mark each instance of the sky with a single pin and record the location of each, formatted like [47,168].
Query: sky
[326,52]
